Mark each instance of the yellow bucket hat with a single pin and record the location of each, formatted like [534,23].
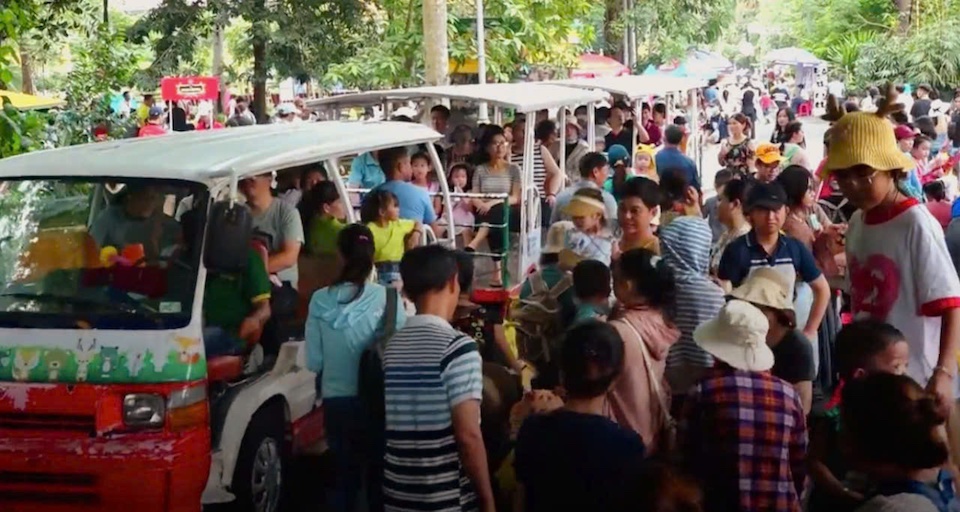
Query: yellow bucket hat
[864,138]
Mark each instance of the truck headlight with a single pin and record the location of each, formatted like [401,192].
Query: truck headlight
[143,410]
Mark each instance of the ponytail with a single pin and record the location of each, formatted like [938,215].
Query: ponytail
[355,244]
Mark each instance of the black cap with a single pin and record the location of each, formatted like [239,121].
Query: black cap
[925,87]
[767,196]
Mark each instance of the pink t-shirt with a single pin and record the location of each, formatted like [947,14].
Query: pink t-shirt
[908,284]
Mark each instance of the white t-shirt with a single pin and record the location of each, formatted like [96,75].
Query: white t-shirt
[900,272]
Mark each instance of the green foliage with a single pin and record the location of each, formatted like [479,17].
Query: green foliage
[822,25]
[930,54]
[102,65]
[20,132]
[667,30]
[519,34]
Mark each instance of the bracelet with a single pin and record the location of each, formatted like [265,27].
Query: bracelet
[943,369]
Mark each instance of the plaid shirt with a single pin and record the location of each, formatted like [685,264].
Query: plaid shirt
[744,437]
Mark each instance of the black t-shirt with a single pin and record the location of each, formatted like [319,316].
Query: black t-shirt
[623,138]
[572,461]
[920,108]
[793,358]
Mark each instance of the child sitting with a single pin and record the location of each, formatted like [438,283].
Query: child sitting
[459,181]
[424,177]
[863,347]
[589,239]
[591,284]
[391,234]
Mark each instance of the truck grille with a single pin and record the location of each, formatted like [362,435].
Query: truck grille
[85,424]
[21,487]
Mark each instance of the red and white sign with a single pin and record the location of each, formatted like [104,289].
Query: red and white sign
[179,88]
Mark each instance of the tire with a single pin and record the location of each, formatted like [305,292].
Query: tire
[260,474]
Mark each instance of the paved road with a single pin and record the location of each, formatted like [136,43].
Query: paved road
[814,129]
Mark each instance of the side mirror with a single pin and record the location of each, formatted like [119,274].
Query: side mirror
[228,237]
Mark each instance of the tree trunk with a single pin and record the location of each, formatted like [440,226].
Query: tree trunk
[613,38]
[436,58]
[260,27]
[26,70]
[218,63]
[904,8]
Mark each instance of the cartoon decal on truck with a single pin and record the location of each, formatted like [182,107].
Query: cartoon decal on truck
[175,358]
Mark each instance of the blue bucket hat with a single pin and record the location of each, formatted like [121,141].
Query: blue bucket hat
[618,154]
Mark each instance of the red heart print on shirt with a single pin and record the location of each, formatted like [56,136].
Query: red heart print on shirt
[874,285]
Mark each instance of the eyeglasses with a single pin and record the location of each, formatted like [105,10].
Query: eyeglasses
[856,177]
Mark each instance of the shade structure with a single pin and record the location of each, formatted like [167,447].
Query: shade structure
[592,65]
[23,101]
[792,56]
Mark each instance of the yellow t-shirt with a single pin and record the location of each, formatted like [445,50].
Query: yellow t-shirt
[388,241]
[143,112]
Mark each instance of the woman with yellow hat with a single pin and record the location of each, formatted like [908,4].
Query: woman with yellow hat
[899,269]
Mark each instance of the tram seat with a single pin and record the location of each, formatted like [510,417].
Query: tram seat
[224,368]
[229,368]
[316,272]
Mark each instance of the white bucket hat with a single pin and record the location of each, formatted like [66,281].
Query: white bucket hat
[738,337]
[766,286]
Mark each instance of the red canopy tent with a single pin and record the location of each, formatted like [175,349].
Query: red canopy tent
[596,66]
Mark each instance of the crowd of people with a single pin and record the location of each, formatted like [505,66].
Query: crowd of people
[670,353]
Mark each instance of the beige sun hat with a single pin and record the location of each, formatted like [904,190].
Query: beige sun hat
[738,337]
[766,286]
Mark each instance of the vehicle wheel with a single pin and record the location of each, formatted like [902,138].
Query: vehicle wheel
[259,476]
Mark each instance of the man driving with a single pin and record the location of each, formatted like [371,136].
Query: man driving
[137,217]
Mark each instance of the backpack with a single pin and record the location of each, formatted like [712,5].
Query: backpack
[942,497]
[370,384]
[537,319]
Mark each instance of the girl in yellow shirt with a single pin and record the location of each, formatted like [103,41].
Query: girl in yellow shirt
[392,236]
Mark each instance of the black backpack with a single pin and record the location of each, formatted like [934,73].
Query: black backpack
[370,385]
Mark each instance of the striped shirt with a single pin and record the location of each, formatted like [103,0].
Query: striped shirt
[487,181]
[539,170]
[685,246]
[429,368]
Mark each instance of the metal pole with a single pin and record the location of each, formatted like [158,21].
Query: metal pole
[481,61]
[563,144]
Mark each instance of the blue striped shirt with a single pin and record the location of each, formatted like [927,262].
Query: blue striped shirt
[685,245]
[429,368]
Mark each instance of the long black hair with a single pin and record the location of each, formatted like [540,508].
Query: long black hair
[481,154]
[355,243]
[315,199]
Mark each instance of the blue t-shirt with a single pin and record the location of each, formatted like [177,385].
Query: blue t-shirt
[415,203]
[671,159]
[573,461]
[365,172]
[745,254]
